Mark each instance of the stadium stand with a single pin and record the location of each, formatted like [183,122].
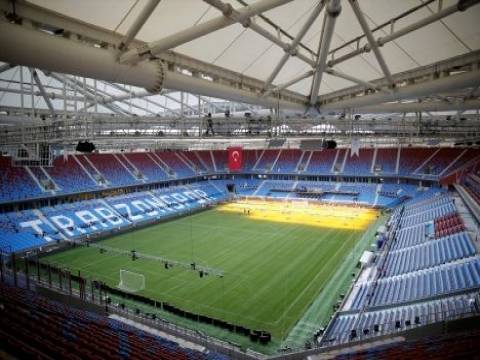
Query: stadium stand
[441,161]
[360,164]
[16,183]
[193,159]
[179,167]
[69,176]
[110,167]
[205,157]
[412,158]
[460,345]
[287,161]
[386,161]
[147,165]
[348,327]
[32,228]
[267,160]
[321,162]
[418,278]
[81,173]
[220,158]
[33,326]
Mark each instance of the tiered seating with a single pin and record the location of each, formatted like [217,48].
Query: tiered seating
[448,224]
[126,163]
[268,188]
[35,327]
[44,181]
[386,160]
[412,158]
[410,236]
[174,162]
[69,176]
[267,160]
[147,166]
[31,228]
[67,219]
[243,187]
[391,194]
[317,185]
[250,158]
[82,159]
[386,321]
[360,164]
[472,186]
[193,158]
[206,158]
[287,162]
[416,279]
[440,161]
[461,345]
[14,237]
[419,285]
[111,169]
[143,209]
[469,155]
[337,166]
[221,161]
[16,183]
[366,193]
[428,214]
[428,254]
[321,162]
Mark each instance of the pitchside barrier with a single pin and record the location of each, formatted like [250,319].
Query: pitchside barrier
[261,336]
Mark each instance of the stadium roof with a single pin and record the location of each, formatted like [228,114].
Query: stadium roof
[245,51]
[306,57]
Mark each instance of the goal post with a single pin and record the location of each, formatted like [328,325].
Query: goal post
[131,281]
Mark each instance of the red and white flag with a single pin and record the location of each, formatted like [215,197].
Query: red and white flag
[235,158]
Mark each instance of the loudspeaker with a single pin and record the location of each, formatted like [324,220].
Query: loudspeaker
[85,146]
[330,144]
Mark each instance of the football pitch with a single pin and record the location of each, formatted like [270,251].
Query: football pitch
[275,260]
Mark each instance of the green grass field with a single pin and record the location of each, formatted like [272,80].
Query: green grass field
[273,270]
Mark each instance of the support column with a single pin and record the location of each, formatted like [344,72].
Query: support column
[333,10]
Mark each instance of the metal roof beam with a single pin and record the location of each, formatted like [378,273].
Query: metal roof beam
[50,95]
[138,23]
[333,10]
[198,31]
[42,91]
[74,85]
[436,86]
[53,53]
[292,49]
[371,40]
[124,89]
[290,82]
[419,107]
[342,75]
[460,6]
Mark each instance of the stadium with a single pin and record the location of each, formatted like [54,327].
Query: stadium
[239,179]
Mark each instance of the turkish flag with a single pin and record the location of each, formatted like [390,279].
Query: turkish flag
[235,158]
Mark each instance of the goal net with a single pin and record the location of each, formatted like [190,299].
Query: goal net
[131,281]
